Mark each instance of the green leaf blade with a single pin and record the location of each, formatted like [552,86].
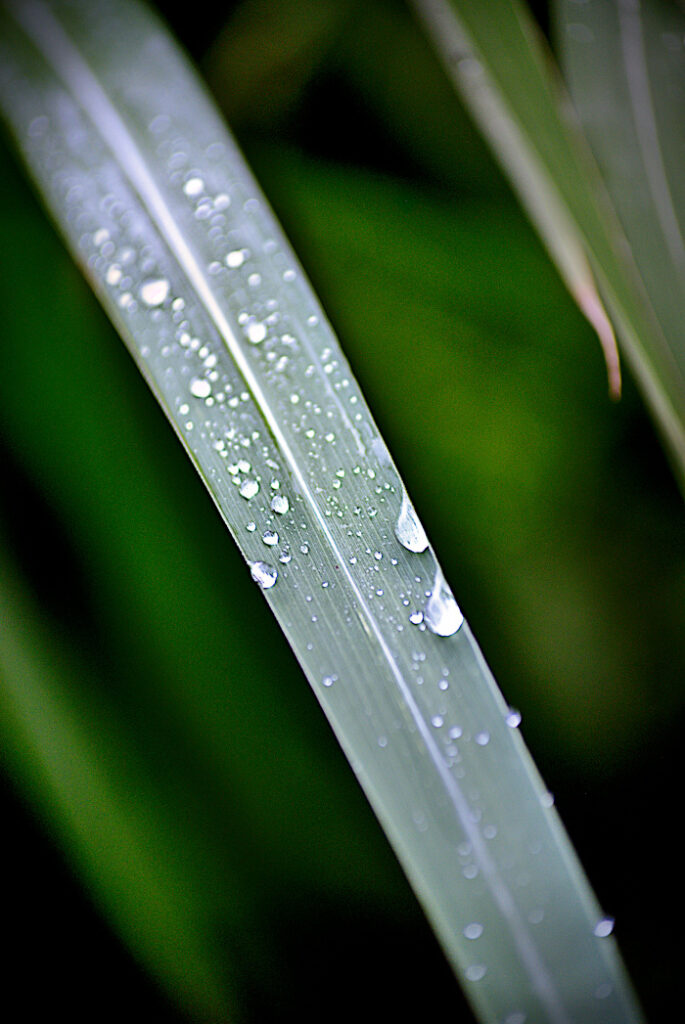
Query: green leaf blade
[495,57]
[156,204]
[624,65]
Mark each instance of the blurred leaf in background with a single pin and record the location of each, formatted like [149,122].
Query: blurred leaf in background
[271,889]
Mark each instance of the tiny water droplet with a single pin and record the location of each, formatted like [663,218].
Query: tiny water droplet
[154,291]
[442,613]
[415,618]
[482,738]
[475,972]
[408,529]
[604,927]
[235,259]
[255,331]
[249,488]
[328,680]
[200,388]
[513,718]
[193,187]
[280,504]
[113,275]
[473,930]
[263,574]
[270,538]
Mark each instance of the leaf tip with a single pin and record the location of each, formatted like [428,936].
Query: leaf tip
[593,310]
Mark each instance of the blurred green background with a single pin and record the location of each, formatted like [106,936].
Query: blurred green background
[183,835]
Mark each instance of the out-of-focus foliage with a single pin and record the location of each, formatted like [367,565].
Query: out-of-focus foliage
[556,516]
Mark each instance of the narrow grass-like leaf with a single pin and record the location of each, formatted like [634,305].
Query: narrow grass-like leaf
[158,207]
[625,67]
[494,54]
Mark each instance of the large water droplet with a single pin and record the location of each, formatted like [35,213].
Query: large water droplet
[280,504]
[154,291]
[263,574]
[442,614]
[408,529]
[249,488]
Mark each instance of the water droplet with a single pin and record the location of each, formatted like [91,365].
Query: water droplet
[154,291]
[475,972]
[515,1018]
[113,275]
[263,574]
[547,799]
[328,680]
[604,927]
[408,529]
[415,618]
[513,718]
[235,259]
[249,488]
[442,614]
[270,538]
[473,930]
[193,187]
[437,721]
[255,331]
[200,388]
[101,236]
[482,738]
[280,504]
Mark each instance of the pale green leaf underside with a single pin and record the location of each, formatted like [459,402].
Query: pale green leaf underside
[157,206]
[494,55]
[625,67]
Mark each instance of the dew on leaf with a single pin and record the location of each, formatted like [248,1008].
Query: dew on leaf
[263,574]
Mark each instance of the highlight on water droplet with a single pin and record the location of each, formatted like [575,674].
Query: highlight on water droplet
[155,291]
[408,529]
[200,388]
[280,504]
[442,614]
[263,574]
